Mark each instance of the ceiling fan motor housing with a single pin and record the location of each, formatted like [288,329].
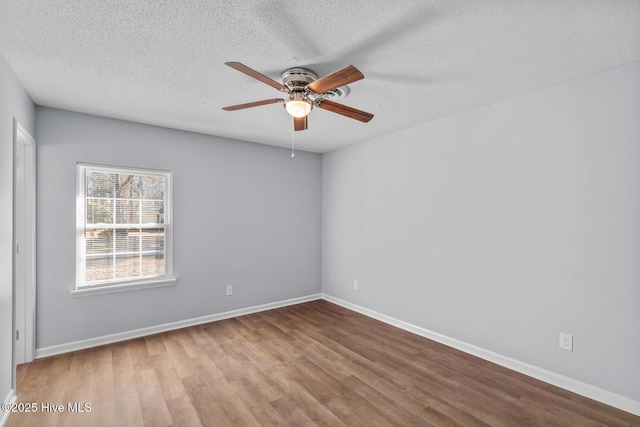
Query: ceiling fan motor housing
[298,78]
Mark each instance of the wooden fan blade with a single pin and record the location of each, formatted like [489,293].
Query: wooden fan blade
[350,112]
[300,123]
[344,76]
[256,75]
[252,104]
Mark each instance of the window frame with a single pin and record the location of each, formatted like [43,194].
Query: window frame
[81,288]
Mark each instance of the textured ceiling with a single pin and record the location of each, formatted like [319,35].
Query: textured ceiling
[162,62]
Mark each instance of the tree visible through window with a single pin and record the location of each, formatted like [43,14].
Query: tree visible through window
[124,227]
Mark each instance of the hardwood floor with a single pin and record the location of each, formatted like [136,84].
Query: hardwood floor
[309,364]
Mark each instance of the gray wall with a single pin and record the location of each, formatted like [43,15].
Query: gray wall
[245,214]
[502,227]
[14,103]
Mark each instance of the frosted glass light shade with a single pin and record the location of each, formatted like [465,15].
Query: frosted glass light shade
[298,108]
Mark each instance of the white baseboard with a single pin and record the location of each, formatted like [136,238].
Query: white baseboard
[578,387]
[137,333]
[11,398]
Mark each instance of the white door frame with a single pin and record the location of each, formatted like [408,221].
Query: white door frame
[24,251]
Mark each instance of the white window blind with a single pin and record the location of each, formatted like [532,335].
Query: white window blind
[123,219]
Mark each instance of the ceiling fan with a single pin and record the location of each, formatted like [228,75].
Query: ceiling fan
[306,91]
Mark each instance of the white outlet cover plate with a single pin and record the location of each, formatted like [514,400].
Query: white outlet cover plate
[566,341]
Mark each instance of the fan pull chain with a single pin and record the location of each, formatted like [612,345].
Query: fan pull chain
[292,143]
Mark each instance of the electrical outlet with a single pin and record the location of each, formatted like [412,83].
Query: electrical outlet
[355,285]
[566,341]
[229,290]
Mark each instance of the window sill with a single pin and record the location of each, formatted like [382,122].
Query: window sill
[122,287]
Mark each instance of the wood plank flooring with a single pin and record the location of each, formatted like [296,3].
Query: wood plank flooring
[309,364]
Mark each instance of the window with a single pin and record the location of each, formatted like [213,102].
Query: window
[123,219]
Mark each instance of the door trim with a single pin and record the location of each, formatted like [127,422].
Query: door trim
[24,248]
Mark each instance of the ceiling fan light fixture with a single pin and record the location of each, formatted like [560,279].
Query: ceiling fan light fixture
[298,107]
